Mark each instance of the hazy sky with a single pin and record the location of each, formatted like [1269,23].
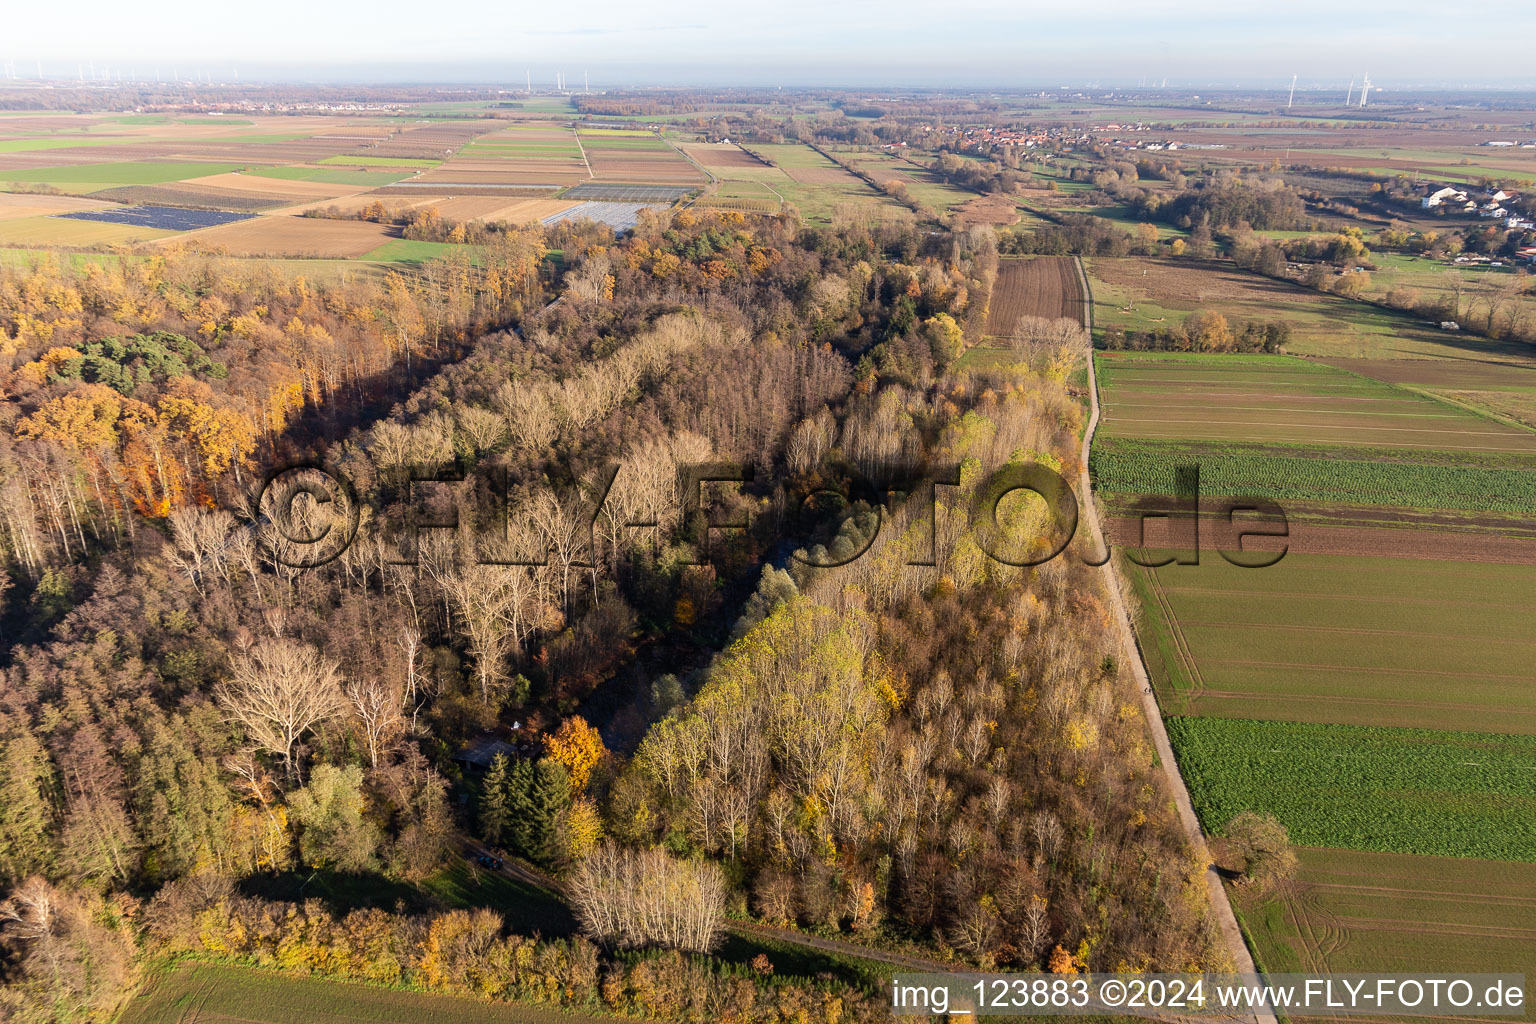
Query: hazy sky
[960,42]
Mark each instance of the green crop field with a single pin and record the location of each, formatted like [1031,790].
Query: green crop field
[1385,477]
[1345,638]
[1353,911]
[193,993]
[1284,400]
[39,144]
[136,172]
[1450,794]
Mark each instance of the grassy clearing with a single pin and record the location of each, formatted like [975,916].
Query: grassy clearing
[1122,216]
[1285,400]
[1386,477]
[1451,794]
[1375,641]
[134,172]
[527,909]
[405,251]
[1351,911]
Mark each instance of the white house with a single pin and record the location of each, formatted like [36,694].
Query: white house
[1447,194]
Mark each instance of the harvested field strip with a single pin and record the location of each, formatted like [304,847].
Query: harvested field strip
[1394,477]
[287,188]
[1362,640]
[50,231]
[23,205]
[330,175]
[192,197]
[1286,401]
[295,236]
[1454,794]
[1046,286]
[1353,911]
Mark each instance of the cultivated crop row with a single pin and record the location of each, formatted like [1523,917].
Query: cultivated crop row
[1342,475]
[1455,794]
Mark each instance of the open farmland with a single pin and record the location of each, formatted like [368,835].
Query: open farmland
[1046,286]
[636,157]
[44,232]
[193,993]
[17,205]
[296,189]
[294,236]
[1442,793]
[921,183]
[106,174]
[331,175]
[744,196]
[1277,399]
[1503,390]
[838,196]
[1354,911]
[723,157]
[1145,294]
[1378,641]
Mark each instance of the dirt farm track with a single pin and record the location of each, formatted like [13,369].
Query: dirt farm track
[1045,286]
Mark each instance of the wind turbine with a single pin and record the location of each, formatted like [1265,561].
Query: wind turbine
[1365,90]
[1293,93]
[1351,93]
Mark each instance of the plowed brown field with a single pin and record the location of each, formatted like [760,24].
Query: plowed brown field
[294,236]
[1045,286]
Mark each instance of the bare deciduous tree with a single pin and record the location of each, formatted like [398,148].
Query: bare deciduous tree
[377,705]
[279,690]
[202,541]
[496,606]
